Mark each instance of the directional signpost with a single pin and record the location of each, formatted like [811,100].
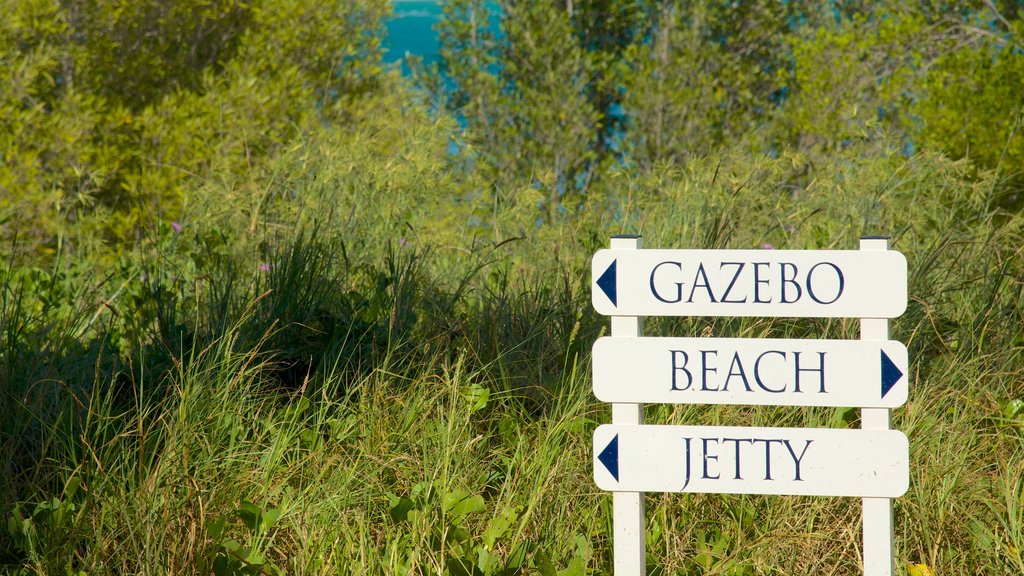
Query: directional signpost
[871,373]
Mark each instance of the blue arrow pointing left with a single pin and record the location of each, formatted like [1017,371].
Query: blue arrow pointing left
[610,457]
[607,283]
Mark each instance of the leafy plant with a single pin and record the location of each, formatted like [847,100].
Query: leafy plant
[246,555]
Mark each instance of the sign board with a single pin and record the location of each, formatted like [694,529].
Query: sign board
[740,460]
[630,458]
[777,372]
[787,283]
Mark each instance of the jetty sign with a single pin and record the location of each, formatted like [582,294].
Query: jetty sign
[747,460]
[768,371]
[788,283]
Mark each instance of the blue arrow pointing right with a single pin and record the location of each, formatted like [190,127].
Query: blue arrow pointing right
[610,457]
[891,374]
[607,283]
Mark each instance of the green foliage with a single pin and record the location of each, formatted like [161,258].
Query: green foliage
[550,124]
[33,528]
[971,105]
[354,407]
[234,558]
[847,74]
[132,54]
[45,172]
[941,77]
[643,83]
[698,79]
[469,54]
[341,335]
[524,98]
[449,535]
[116,104]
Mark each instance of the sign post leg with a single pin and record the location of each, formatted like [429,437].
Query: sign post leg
[630,543]
[877,512]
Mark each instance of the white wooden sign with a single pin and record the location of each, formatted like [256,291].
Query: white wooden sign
[788,283]
[631,458]
[740,460]
[778,372]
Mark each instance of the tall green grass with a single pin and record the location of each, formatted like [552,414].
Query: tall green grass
[315,387]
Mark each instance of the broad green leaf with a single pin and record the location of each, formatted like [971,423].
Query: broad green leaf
[459,504]
[216,528]
[400,508]
[499,525]
[249,513]
[270,518]
[232,546]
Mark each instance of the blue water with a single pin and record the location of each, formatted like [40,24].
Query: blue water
[410,31]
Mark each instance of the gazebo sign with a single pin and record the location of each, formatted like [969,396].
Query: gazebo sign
[794,283]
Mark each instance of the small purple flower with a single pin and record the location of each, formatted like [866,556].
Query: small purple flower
[176,227]
[402,242]
[767,246]
[264,268]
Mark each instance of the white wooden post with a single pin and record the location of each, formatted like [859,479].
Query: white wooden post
[630,543]
[877,520]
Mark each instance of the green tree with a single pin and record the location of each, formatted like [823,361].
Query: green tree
[48,171]
[539,97]
[469,57]
[704,76]
[116,106]
[945,76]
[132,52]
[522,94]
[851,73]
[972,99]
[551,127]
[607,30]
